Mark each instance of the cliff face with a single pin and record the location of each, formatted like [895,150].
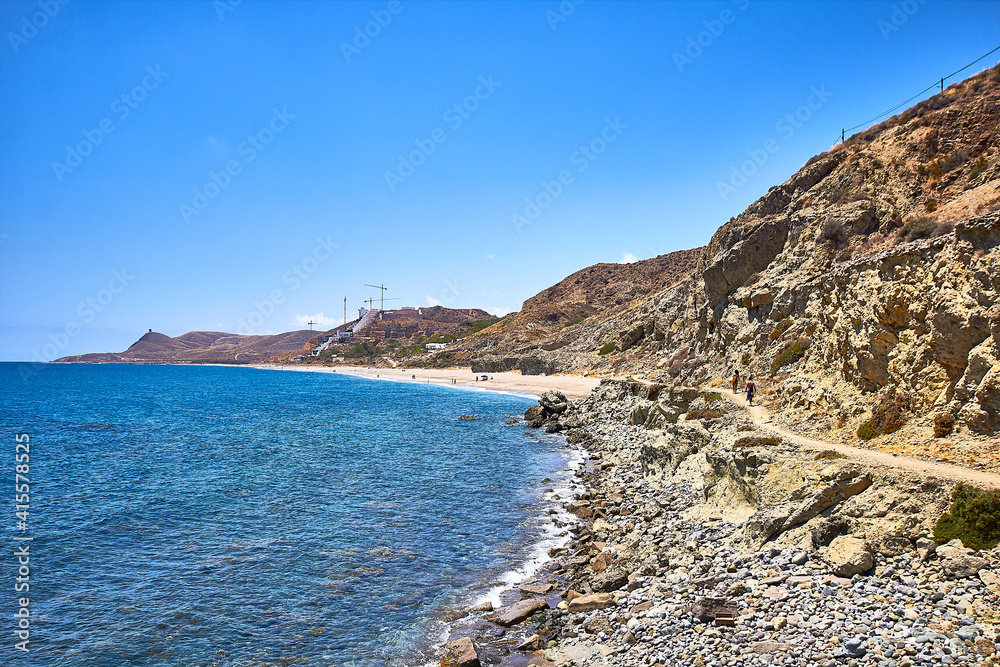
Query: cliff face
[567,311]
[871,277]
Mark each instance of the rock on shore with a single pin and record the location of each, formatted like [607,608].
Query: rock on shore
[820,561]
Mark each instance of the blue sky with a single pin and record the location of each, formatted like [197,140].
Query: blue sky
[244,166]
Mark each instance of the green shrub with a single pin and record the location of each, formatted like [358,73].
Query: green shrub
[757,441]
[607,348]
[979,167]
[782,327]
[362,349]
[791,352]
[711,397]
[704,413]
[888,415]
[974,518]
[918,228]
[830,454]
[745,359]
[476,327]
[866,431]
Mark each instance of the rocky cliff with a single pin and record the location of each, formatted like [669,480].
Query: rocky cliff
[562,314]
[862,293]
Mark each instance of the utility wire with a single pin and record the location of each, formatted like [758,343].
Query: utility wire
[905,102]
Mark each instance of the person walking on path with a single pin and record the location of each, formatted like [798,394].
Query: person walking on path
[736,381]
[751,390]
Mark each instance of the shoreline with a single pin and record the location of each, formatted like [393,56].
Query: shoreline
[684,554]
[573,386]
[557,524]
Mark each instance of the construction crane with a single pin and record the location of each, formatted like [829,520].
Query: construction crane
[371,302]
[379,287]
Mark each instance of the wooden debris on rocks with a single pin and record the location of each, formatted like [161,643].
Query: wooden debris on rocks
[708,609]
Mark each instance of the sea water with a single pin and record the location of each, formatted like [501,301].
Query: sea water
[239,516]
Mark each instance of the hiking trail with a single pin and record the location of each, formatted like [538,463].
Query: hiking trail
[762,418]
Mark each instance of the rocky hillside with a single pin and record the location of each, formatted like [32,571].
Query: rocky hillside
[198,347]
[862,293]
[558,315]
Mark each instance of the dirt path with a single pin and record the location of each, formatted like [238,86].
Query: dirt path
[762,418]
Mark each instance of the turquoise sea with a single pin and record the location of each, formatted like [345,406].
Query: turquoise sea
[237,516]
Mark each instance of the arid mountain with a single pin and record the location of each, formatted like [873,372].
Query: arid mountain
[199,347]
[555,316]
[863,293]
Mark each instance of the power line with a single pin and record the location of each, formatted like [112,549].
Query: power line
[905,102]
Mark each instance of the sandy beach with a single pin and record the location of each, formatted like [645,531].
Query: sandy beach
[573,386]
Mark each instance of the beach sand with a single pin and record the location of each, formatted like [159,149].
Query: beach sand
[573,386]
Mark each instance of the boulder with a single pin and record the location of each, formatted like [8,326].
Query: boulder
[848,556]
[602,561]
[849,484]
[591,602]
[610,579]
[532,643]
[965,566]
[596,624]
[535,589]
[461,653]
[991,580]
[517,612]
[979,389]
[534,416]
[953,549]
[553,402]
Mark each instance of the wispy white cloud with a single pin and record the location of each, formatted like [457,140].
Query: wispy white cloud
[628,258]
[490,257]
[499,311]
[431,301]
[319,319]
